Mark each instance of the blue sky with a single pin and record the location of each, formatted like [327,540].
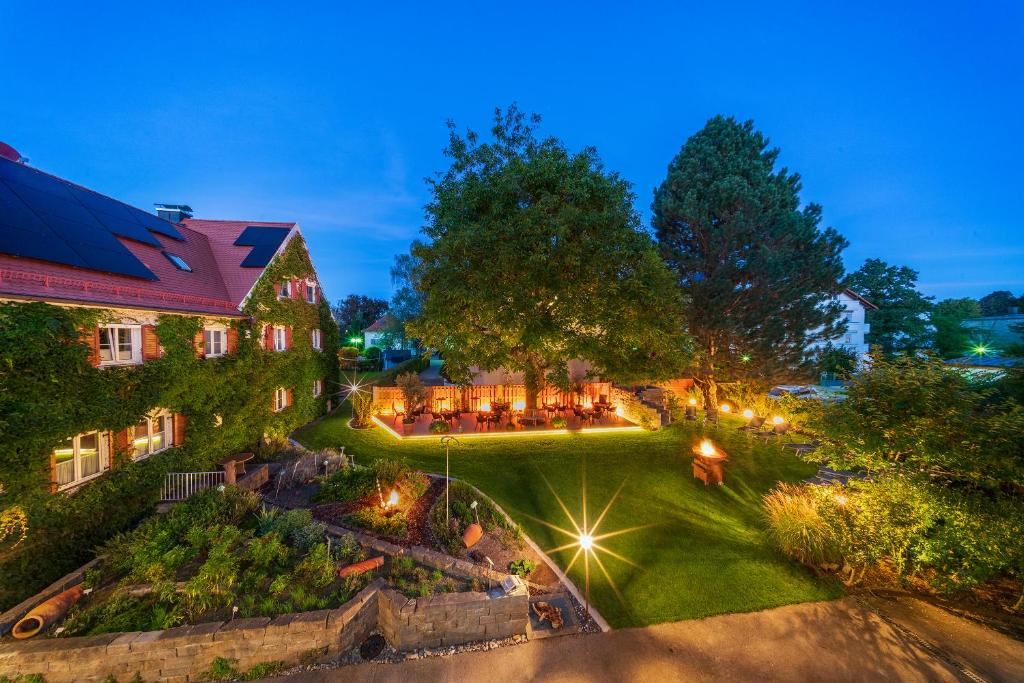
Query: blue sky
[904,119]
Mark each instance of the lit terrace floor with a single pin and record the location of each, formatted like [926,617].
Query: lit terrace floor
[468,426]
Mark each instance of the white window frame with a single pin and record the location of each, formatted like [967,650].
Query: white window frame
[102,455]
[310,292]
[166,437]
[280,338]
[280,399]
[286,290]
[117,333]
[318,388]
[210,333]
[316,336]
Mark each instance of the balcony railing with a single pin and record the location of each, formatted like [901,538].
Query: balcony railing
[181,485]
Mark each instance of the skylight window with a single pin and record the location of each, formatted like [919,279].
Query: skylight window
[178,262]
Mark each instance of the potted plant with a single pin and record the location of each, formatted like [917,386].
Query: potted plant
[439,427]
[413,393]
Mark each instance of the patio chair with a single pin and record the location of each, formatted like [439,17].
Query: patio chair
[776,432]
[754,425]
[532,416]
[711,417]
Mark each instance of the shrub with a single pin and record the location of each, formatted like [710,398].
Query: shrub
[372,518]
[295,527]
[559,422]
[522,567]
[390,472]
[362,407]
[797,527]
[439,427]
[413,391]
[372,353]
[348,352]
[345,485]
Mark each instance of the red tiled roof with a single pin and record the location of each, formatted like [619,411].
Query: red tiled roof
[217,283]
[864,302]
[379,325]
[221,236]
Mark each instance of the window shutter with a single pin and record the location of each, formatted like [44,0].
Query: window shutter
[273,401]
[179,429]
[298,289]
[287,337]
[268,337]
[277,289]
[119,444]
[53,471]
[232,340]
[288,392]
[150,343]
[199,344]
[92,338]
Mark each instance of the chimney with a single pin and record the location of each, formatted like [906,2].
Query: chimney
[175,213]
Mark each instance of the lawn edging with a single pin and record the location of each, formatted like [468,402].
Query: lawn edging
[562,577]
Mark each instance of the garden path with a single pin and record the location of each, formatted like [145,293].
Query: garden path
[839,640]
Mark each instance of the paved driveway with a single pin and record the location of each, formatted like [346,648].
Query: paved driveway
[825,641]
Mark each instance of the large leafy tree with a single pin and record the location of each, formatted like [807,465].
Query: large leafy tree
[759,273]
[998,302]
[950,337]
[901,322]
[534,256]
[356,312]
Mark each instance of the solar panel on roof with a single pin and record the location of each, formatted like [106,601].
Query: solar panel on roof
[256,235]
[260,256]
[264,241]
[47,218]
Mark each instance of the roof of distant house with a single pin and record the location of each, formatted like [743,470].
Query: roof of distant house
[380,324]
[864,302]
[66,243]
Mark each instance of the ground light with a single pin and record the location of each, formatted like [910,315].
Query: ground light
[725,407]
[748,413]
[585,539]
[980,350]
[777,420]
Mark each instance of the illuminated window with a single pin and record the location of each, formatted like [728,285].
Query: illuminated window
[280,399]
[81,458]
[316,340]
[152,435]
[318,387]
[286,290]
[120,344]
[280,339]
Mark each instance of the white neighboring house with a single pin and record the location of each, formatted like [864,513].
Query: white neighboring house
[855,308]
[372,335]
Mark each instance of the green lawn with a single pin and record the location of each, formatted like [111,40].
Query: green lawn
[700,551]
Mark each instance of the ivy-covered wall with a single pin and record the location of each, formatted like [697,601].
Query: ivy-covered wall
[49,391]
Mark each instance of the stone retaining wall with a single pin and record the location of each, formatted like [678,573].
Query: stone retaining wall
[450,619]
[186,653]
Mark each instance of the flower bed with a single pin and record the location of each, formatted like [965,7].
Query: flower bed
[222,556]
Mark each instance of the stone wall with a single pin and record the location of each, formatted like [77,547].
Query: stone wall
[635,411]
[185,653]
[450,619]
